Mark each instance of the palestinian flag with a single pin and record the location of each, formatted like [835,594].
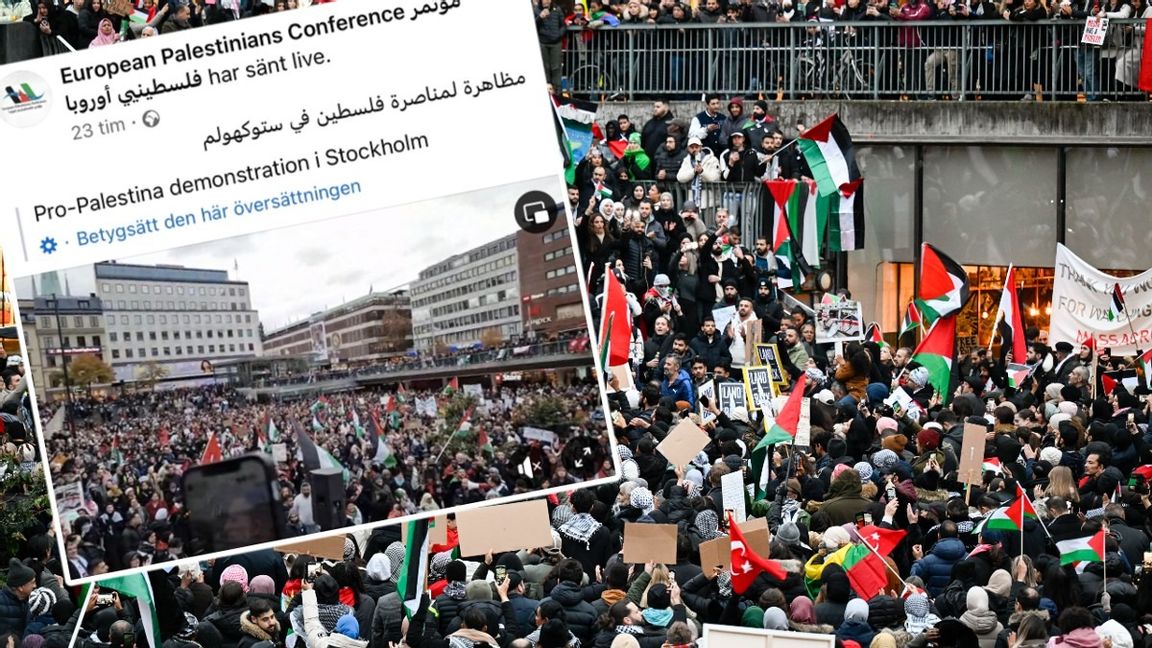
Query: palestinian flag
[465,423]
[1144,368]
[452,387]
[618,147]
[783,430]
[603,191]
[912,319]
[615,324]
[1018,373]
[401,394]
[1011,517]
[212,452]
[313,456]
[1084,549]
[866,570]
[935,353]
[483,441]
[319,406]
[138,587]
[827,147]
[578,118]
[1129,379]
[117,455]
[1117,305]
[992,464]
[791,224]
[383,452]
[746,563]
[272,431]
[873,334]
[360,433]
[1010,319]
[846,216]
[943,285]
[414,577]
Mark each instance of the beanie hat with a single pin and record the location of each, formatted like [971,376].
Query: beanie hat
[753,617]
[793,485]
[40,601]
[916,606]
[1068,407]
[478,590]
[857,610]
[641,498]
[348,626]
[929,439]
[19,574]
[977,600]
[456,571]
[1112,629]
[840,468]
[865,470]
[894,442]
[789,534]
[235,574]
[1052,455]
[36,641]
[659,598]
[885,460]
[263,584]
[188,632]
[885,424]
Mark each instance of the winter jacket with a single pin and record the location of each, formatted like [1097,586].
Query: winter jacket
[858,631]
[711,164]
[1079,638]
[550,29]
[60,636]
[714,352]
[314,631]
[985,624]
[251,633]
[227,621]
[13,612]
[386,620]
[492,611]
[935,569]
[579,614]
[680,389]
[443,612]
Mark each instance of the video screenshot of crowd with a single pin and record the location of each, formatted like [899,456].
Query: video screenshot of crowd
[57,27]
[214,397]
[785,469]
[848,49]
[36,606]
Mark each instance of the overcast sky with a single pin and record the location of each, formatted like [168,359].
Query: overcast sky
[296,271]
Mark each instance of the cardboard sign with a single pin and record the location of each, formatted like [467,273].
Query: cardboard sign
[1095,29]
[331,548]
[279,453]
[683,443]
[758,382]
[650,543]
[731,395]
[769,356]
[732,489]
[438,531]
[705,389]
[507,527]
[972,454]
[719,551]
[119,7]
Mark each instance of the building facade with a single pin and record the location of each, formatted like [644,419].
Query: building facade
[363,332]
[56,327]
[549,284]
[469,299]
[182,318]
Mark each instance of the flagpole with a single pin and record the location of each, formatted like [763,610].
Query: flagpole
[886,565]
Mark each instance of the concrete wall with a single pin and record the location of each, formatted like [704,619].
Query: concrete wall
[949,121]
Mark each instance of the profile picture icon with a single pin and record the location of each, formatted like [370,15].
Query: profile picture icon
[206,367]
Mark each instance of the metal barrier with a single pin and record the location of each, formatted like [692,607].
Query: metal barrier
[856,60]
[741,199]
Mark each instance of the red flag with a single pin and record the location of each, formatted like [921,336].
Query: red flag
[1108,383]
[1145,82]
[883,540]
[615,323]
[746,564]
[212,452]
[163,436]
[618,147]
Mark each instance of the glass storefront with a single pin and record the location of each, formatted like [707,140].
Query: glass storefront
[988,206]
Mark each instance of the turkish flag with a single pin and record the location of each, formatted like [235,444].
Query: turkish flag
[212,452]
[746,564]
[882,540]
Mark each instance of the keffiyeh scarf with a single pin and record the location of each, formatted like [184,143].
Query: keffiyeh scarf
[580,528]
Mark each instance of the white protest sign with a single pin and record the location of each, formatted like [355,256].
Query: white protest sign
[1095,29]
[474,390]
[1082,304]
[538,434]
[732,488]
[722,316]
[279,453]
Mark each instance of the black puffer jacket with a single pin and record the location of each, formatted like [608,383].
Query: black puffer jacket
[446,609]
[227,621]
[13,612]
[579,614]
[491,610]
[885,612]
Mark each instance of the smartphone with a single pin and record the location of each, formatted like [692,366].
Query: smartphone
[233,503]
[867,519]
[501,574]
[314,570]
[105,599]
[890,491]
[860,520]
[1131,418]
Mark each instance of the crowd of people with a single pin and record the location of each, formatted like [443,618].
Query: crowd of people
[129,454]
[88,23]
[36,608]
[836,44]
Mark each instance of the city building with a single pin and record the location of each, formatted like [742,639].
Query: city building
[549,284]
[59,326]
[33,353]
[469,299]
[365,331]
[184,319]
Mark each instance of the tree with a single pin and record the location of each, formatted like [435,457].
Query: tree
[545,411]
[151,372]
[491,337]
[88,370]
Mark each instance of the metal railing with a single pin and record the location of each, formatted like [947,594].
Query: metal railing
[998,60]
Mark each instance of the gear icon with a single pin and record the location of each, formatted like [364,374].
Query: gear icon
[48,245]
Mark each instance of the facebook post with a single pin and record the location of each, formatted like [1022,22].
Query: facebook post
[265,313]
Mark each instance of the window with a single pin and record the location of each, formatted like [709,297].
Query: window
[139,336]
[152,335]
[132,289]
[120,289]
[144,290]
[105,288]
[124,320]
[251,347]
[189,348]
[138,319]
[231,348]
[143,353]
[211,348]
[127,353]
[93,321]
[112,336]
[135,305]
[179,350]
[231,292]
[168,290]
[203,291]
[209,333]
[155,352]
[180,291]
[95,340]
[167,351]
[151,319]
[81,341]
[121,304]
[163,319]
[163,335]
[115,354]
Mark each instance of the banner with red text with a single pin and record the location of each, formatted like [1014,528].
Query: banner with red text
[1081,300]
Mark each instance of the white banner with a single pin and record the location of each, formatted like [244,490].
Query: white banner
[1082,301]
[538,434]
[474,390]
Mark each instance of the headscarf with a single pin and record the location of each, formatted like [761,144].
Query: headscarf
[708,524]
[753,617]
[856,610]
[395,555]
[379,568]
[1000,583]
[775,619]
[102,38]
[803,610]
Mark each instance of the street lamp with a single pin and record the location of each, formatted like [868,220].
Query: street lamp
[64,360]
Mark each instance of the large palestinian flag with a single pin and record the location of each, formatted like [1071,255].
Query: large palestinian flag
[935,353]
[827,147]
[1010,320]
[846,217]
[943,285]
